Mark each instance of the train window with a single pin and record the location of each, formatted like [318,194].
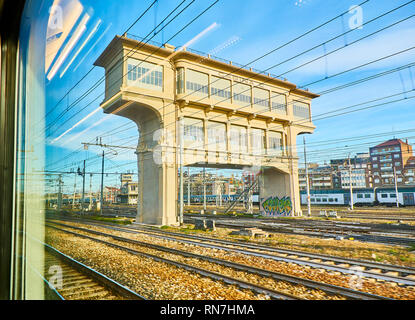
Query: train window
[112,129]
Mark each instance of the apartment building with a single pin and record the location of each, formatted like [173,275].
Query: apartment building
[129,190]
[387,157]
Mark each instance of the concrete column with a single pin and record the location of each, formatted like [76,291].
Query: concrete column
[140,160]
[275,193]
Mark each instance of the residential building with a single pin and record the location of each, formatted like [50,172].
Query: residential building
[409,171]
[360,172]
[320,178]
[110,194]
[129,190]
[387,157]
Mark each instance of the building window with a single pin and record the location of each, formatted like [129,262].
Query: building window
[180,81]
[145,75]
[396,156]
[242,94]
[197,83]
[278,103]
[301,110]
[220,89]
[239,142]
[261,97]
[193,131]
[258,141]
[275,142]
[216,136]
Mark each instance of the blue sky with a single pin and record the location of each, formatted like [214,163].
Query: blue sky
[254,28]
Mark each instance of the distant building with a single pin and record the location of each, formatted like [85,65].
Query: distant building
[409,171]
[320,178]
[359,174]
[129,190]
[111,194]
[387,156]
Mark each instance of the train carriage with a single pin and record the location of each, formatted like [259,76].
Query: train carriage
[362,197]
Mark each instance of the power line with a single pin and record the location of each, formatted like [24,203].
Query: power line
[83,77]
[142,44]
[322,79]
[295,39]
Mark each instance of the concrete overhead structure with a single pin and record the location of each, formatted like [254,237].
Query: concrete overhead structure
[194,110]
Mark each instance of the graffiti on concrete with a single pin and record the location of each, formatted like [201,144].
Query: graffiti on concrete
[274,206]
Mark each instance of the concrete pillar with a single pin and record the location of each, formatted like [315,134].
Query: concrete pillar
[275,193]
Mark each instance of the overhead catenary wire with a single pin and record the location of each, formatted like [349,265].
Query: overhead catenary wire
[322,79]
[90,70]
[152,53]
[291,41]
[140,45]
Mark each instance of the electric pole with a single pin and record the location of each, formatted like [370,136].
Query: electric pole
[74,193]
[60,192]
[396,186]
[188,186]
[102,183]
[307,181]
[351,187]
[83,186]
[90,191]
[204,189]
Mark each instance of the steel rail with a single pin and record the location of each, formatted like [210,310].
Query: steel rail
[292,256]
[100,278]
[318,232]
[213,275]
[328,288]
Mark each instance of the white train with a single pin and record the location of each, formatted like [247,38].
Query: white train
[362,197]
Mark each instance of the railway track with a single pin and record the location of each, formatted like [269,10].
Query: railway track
[330,289]
[379,271]
[77,281]
[313,228]
[273,294]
